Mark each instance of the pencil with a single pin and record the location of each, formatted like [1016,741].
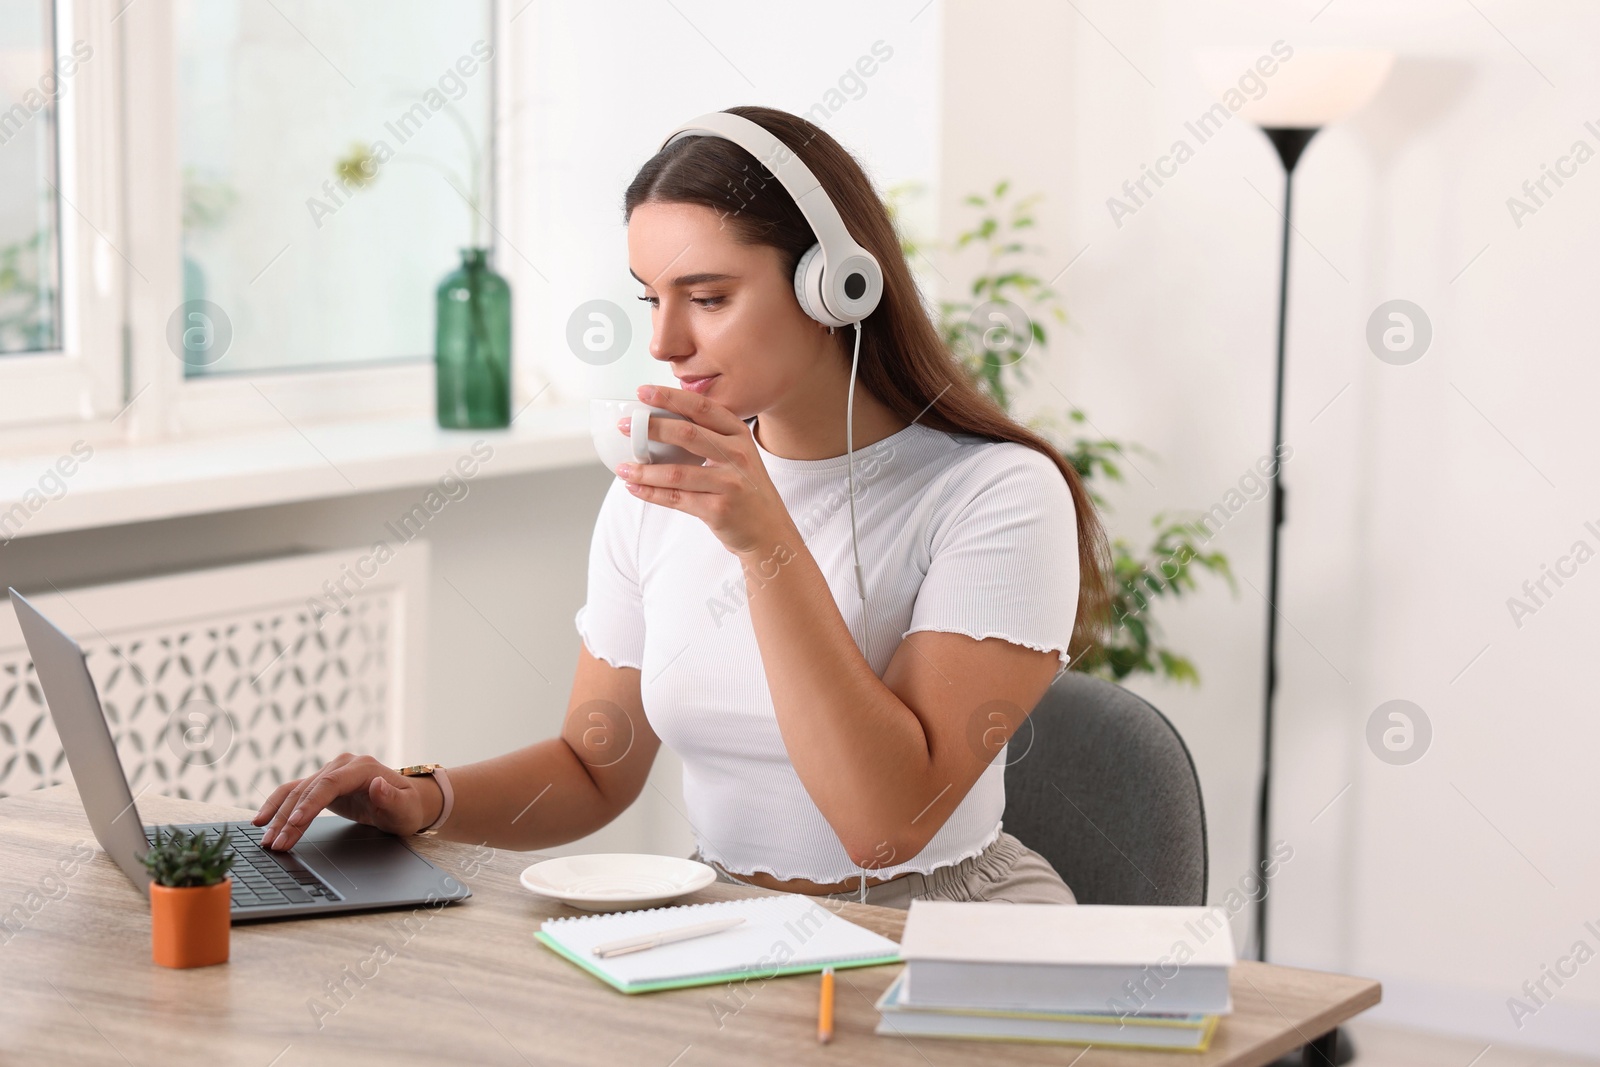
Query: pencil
[825,1008]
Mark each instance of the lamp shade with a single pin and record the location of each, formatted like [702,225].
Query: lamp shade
[1312,88]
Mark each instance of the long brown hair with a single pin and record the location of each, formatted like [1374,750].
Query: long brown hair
[904,362]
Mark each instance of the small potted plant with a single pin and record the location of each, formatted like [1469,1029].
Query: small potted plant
[191,898]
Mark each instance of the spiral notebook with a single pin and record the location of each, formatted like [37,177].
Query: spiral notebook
[785,934]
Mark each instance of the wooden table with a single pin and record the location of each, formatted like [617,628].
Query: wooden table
[465,983]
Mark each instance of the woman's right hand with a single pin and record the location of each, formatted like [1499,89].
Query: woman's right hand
[357,787]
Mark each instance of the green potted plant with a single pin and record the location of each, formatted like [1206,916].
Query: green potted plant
[191,898]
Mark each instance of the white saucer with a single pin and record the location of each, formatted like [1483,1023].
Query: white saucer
[617,881]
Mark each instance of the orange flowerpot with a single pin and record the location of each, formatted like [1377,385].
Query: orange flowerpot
[189,925]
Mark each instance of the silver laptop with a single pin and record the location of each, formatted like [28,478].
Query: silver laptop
[336,866]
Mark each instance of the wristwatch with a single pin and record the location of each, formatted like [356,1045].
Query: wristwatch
[437,773]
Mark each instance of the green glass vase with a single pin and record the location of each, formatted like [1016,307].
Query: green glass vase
[472,345]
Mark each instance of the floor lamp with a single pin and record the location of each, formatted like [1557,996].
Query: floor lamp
[1311,89]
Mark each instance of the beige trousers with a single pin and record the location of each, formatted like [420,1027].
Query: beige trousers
[1006,871]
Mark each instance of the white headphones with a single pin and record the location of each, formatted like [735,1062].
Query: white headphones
[836,281]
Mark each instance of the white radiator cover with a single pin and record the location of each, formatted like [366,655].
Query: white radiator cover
[219,684]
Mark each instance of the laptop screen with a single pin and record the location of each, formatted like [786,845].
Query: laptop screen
[85,735]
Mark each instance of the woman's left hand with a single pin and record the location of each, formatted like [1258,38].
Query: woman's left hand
[731,493]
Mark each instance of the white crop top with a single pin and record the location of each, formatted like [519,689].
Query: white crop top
[958,533]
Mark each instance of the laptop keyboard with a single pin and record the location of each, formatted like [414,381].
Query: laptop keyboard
[259,880]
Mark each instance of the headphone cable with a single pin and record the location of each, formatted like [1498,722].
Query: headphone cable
[855,544]
[849,445]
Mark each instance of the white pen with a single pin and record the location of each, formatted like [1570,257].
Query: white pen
[662,937]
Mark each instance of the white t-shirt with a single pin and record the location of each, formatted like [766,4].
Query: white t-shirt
[958,534]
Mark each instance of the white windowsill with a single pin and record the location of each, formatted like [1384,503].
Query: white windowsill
[122,484]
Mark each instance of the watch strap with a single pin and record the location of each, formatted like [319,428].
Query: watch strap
[438,774]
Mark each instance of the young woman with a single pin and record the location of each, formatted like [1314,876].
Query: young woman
[830,746]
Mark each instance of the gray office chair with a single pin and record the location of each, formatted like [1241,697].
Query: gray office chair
[1100,784]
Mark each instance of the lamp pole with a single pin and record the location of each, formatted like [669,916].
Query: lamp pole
[1290,142]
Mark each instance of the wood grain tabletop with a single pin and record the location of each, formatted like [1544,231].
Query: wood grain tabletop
[465,983]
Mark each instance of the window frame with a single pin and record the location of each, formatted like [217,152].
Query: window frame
[81,380]
[116,379]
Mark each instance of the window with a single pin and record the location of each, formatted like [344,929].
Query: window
[333,167]
[30,250]
[221,213]
[61,281]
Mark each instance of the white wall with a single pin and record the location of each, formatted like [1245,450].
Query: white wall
[1420,496]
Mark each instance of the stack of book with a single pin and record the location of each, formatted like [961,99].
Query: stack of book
[1115,977]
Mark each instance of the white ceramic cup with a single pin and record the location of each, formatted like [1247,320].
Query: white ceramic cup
[616,447]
